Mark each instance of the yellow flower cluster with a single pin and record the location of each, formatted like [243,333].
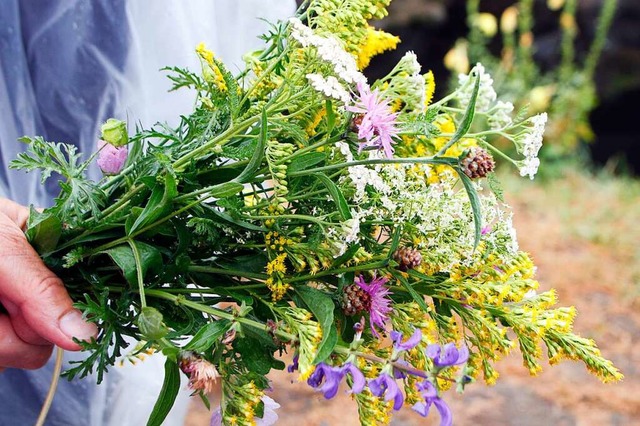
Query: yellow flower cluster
[376,42]
[242,402]
[210,68]
[309,335]
[373,410]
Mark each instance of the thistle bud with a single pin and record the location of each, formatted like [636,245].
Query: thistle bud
[478,163]
[355,300]
[407,258]
[115,132]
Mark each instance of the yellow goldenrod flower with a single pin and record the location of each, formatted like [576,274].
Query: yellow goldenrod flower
[376,42]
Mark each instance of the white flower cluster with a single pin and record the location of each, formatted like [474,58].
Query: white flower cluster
[443,217]
[529,143]
[330,50]
[330,86]
[409,63]
[486,93]
[499,116]
[407,84]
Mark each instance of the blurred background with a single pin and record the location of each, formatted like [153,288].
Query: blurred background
[580,218]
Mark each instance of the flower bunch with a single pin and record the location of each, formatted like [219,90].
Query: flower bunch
[295,204]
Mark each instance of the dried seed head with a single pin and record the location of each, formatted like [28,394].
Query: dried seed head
[355,300]
[407,258]
[478,163]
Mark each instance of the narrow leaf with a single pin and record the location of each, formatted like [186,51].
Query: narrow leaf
[168,394]
[159,203]
[208,335]
[337,196]
[475,205]
[305,161]
[417,297]
[467,119]
[258,153]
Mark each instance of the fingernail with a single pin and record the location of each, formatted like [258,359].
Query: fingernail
[73,325]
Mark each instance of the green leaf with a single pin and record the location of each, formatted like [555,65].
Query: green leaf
[395,242]
[258,153]
[226,189]
[168,394]
[159,204]
[467,119]
[417,297]
[305,161]
[151,324]
[43,230]
[122,255]
[331,116]
[322,307]
[475,205]
[208,335]
[257,357]
[337,196]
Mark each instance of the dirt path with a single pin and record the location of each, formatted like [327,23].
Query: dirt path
[591,269]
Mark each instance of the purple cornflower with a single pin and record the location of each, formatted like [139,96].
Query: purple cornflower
[376,123]
[333,376]
[410,343]
[447,355]
[379,309]
[430,395]
[386,385]
[110,158]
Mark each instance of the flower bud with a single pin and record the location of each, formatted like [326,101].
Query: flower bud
[150,324]
[115,132]
[110,158]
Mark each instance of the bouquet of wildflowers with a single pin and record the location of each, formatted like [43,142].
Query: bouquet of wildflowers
[300,208]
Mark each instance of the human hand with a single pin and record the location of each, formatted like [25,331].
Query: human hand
[39,312]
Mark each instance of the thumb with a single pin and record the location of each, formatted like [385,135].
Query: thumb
[29,289]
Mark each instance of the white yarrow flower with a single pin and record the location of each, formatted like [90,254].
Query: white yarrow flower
[500,115]
[330,86]
[409,63]
[486,93]
[529,166]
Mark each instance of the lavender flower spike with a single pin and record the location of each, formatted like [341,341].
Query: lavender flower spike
[332,377]
[357,376]
[387,386]
[411,342]
[430,395]
[447,355]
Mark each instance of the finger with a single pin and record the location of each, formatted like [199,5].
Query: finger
[15,212]
[40,297]
[16,353]
[22,329]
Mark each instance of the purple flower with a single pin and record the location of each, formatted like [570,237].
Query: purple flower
[377,125]
[356,376]
[387,386]
[447,355]
[332,377]
[294,366]
[380,309]
[430,395]
[411,342]
[111,159]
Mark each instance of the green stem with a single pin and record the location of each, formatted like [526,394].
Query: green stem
[138,260]
[179,300]
[231,272]
[426,160]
